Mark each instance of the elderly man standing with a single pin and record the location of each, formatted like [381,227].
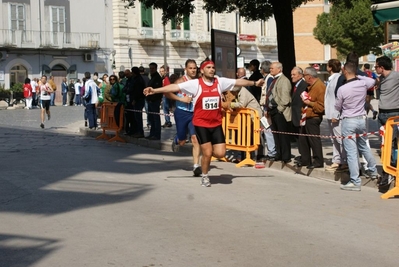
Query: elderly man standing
[278,105]
[241,74]
[266,135]
[350,101]
[314,117]
[296,103]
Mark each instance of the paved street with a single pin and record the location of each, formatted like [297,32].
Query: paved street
[70,200]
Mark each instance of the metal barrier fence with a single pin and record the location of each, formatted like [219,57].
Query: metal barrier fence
[241,128]
[389,158]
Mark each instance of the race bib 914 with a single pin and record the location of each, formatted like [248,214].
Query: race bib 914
[210,103]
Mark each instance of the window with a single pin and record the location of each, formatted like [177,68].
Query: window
[186,24]
[262,28]
[238,23]
[146,17]
[18,74]
[17,15]
[57,19]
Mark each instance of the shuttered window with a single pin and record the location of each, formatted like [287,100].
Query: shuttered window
[17,15]
[57,19]
[146,17]
[186,24]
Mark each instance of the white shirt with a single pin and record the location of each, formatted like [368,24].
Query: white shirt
[329,97]
[44,95]
[91,87]
[192,86]
[34,85]
[77,88]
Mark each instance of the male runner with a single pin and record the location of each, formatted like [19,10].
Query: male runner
[184,115]
[45,97]
[207,118]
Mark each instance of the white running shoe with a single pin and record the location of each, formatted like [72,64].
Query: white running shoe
[205,181]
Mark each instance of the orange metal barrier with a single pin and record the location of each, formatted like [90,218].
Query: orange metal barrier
[241,130]
[386,154]
[108,122]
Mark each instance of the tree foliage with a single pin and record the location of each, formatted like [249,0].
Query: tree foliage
[171,9]
[349,27]
[248,9]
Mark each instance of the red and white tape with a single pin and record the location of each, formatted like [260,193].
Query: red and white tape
[278,132]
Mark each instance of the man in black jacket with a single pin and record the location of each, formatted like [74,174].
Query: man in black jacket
[71,92]
[154,103]
[296,103]
[138,100]
[256,75]
[129,114]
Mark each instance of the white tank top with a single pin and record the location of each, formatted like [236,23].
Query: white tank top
[44,95]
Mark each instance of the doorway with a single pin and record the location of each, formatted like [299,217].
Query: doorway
[59,72]
[18,74]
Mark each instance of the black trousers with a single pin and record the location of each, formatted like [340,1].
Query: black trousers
[283,141]
[307,143]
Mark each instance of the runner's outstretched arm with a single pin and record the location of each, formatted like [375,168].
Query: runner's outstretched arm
[166,89]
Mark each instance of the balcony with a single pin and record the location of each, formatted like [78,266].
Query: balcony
[149,34]
[54,40]
[182,36]
[267,41]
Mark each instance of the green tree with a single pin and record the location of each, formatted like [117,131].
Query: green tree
[248,9]
[349,27]
[171,9]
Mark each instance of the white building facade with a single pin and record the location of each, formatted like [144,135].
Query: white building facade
[139,35]
[63,38]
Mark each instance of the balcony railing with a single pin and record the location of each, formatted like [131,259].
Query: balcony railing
[183,36]
[149,33]
[267,41]
[56,40]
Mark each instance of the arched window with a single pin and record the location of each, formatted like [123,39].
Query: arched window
[18,74]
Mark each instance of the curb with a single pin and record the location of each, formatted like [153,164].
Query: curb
[166,145]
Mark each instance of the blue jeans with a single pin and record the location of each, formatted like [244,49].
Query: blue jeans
[64,98]
[155,119]
[271,146]
[166,106]
[383,117]
[91,115]
[77,100]
[149,122]
[351,127]
[52,98]
[339,153]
